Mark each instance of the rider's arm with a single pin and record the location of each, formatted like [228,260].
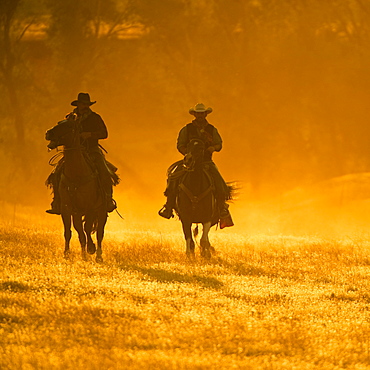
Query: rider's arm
[182,141]
[101,131]
[217,142]
[98,129]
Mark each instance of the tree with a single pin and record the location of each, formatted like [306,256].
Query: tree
[79,35]
[10,36]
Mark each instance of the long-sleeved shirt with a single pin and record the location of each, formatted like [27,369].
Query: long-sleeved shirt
[92,122]
[209,134]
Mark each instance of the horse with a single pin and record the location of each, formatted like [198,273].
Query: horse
[196,200]
[82,201]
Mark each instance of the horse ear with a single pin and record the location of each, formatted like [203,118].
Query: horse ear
[48,135]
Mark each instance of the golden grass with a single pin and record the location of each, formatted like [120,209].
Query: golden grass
[263,302]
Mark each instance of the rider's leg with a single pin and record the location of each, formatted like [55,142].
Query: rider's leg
[55,204]
[108,191]
[105,180]
[221,191]
[170,193]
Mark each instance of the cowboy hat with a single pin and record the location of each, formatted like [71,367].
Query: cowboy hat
[83,98]
[200,108]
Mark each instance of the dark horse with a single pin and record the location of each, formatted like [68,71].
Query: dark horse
[80,194]
[196,201]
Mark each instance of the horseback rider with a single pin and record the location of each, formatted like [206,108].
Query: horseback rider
[199,128]
[92,129]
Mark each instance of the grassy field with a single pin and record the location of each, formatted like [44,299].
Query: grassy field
[262,302]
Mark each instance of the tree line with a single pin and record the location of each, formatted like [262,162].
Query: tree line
[290,79]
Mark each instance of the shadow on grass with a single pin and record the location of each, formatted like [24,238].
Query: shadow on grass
[240,268]
[165,276]
[9,319]
[14,286]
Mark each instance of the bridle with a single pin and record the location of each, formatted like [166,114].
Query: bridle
[73,131]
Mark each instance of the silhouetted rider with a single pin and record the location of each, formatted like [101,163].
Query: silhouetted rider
[92,129]
[200,128]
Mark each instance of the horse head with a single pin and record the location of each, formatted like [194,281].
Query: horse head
[63,133]
[195,153]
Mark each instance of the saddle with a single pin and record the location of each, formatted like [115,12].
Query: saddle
[58,162]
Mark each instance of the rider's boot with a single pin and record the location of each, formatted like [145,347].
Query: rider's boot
[224,210]
[167,210]
[111,204]
[225,216]
[55,207]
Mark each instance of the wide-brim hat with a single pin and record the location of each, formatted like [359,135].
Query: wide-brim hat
[83,98]
[200,108]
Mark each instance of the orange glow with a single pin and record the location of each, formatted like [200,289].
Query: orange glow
[289,90]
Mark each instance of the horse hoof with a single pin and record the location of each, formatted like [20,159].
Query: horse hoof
[91,249]
[67,255]
[99,259]
[206,249]
[190,255]
[206,254]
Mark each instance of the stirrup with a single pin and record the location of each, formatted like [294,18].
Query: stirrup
[166,212]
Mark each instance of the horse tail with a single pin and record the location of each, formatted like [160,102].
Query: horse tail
[232,190]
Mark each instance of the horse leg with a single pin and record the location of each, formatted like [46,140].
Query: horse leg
[77,224]
[102,219]
[190,245]
[67,233]
[205,246]
[89,221]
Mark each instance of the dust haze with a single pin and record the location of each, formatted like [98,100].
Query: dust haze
[288,83]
